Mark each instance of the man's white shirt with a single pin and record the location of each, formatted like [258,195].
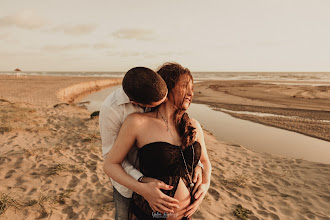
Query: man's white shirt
[113,112]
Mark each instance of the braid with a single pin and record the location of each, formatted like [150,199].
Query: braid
[186,131]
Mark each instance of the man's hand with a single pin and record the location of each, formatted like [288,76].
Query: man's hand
[199,196]
[158,201]
[197,180]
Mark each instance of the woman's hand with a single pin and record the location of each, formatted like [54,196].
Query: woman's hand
[158,201]
[206,174]
[197,180]
[199,196]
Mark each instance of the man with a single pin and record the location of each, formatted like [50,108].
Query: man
[141,88]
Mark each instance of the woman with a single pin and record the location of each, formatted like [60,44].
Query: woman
[170,145]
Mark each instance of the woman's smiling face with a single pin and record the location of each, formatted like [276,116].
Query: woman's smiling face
[182,92]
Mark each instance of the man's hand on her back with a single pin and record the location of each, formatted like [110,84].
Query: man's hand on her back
[158,201]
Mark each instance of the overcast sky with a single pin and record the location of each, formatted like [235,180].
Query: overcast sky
[219,35]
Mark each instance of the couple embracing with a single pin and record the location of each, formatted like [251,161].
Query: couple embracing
[154,153]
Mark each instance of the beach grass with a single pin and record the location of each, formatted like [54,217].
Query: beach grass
[6,201]
[56,169]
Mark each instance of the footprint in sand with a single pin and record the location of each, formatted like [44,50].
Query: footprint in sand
[4,159]
[215,194]
[74,203]
[83,176]
[248,198]
[212,183]
[74,182]
[274,216]
[272,209]
[262,213]
[33,190]
[19,181]
[105,190]
[71,214]
[9,174]
[18,163]
[95,178]
[89,193]
[92,166]
[94,157]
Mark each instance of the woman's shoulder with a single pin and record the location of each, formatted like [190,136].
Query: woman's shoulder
[194,123]
[137,118]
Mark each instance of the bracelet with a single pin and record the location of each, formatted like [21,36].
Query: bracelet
[140,179]
[200,164]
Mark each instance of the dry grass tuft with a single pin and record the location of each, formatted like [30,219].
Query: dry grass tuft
[58,168]
[43,201]
[62,196]
[7,201]
[242,213]
[237,181]
[14,117]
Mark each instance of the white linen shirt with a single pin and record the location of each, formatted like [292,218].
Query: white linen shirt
[113,112]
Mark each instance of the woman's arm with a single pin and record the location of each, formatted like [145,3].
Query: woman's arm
[206,177]
[127,136]
[204,156]
[117,154]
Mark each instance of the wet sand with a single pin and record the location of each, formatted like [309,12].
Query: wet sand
[307,105]
[51,163]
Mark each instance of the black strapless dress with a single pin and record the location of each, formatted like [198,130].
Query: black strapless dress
[163,161]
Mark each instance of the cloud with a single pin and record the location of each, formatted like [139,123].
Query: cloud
[124,53]
[25,19]
[135,33]
[268,44]
[65,47]
[79,29]
[4,36]
[104,45]
[145,54]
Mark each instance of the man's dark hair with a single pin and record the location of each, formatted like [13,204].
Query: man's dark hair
[143,85]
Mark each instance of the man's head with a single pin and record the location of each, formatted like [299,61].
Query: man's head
[144,87]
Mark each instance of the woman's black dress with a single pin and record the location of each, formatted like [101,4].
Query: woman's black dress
[163,161]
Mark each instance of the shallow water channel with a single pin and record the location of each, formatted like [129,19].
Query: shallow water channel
[254,136]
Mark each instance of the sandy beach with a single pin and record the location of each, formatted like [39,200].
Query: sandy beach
[51,163]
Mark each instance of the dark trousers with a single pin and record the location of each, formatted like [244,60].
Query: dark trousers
[121,205]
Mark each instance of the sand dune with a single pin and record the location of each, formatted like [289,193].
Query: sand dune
[51,166]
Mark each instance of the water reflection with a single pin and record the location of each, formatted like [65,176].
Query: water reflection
[254,136]
[261,138]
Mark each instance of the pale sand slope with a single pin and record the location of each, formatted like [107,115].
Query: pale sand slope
[51,167]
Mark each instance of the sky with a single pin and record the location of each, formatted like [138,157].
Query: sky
[209,35]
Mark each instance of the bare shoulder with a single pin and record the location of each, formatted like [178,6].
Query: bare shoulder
[136,119]
[195,123]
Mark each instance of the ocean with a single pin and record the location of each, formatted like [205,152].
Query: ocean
[316,77]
